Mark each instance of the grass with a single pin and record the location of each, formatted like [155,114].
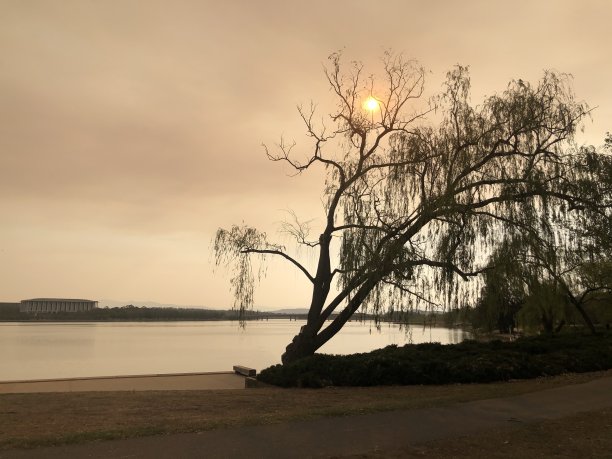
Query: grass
[33,420]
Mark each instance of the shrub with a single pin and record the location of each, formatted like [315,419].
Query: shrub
[434,363]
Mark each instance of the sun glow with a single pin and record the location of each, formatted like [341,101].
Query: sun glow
[371,104]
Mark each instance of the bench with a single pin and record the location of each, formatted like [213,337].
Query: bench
[245,371]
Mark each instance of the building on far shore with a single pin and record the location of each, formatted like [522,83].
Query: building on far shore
[56,305]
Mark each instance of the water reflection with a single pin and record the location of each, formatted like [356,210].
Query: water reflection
[55,350]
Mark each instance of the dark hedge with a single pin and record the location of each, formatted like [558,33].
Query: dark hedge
[434,363]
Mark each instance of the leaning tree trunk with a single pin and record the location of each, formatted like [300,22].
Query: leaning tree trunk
[305,342]
[311,336]
[302,345]
[583,313]
[560,326]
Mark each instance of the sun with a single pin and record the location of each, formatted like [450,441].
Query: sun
[371,104]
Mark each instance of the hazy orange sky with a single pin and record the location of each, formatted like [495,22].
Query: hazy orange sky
[130,130]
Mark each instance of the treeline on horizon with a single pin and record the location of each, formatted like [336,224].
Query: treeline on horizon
[482,317]
[129,312]
[10,312]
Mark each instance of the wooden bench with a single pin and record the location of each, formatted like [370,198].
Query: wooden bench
[245,371]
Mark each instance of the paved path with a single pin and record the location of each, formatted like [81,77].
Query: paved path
[347,435]
[178,381]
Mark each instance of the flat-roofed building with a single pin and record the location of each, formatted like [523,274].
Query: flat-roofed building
[51,305]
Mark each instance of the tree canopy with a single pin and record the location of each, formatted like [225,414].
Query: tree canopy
[420,193]
[558,259]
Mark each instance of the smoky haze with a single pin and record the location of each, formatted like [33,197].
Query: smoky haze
[131,130]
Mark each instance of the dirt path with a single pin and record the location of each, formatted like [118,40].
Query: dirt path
[351,434]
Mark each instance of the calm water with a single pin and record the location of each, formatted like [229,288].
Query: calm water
[55,350]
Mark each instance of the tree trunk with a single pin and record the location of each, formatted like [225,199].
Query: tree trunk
[309,339]
[547,322]
[585,317]
[560,326]
[302,345]
[578,305]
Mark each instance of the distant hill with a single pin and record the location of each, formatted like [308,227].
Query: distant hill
[153,304]
[149,304]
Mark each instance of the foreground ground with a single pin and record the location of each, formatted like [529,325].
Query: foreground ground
[34,420]
[566,421]
[585,435]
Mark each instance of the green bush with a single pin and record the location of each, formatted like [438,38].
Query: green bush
[466,362]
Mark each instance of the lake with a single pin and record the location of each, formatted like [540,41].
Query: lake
[34,350]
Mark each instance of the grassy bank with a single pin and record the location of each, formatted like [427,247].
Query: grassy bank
[466,362]
[31,420]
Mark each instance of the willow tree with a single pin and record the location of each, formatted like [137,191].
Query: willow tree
[557,256]
[416,190]
[571,252]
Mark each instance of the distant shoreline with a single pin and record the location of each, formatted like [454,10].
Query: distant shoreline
[12,313]
[130,313]
[63,320]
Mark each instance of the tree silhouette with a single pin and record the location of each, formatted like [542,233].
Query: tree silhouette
[419,192]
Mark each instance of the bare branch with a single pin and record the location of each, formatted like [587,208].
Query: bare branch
[281,254]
